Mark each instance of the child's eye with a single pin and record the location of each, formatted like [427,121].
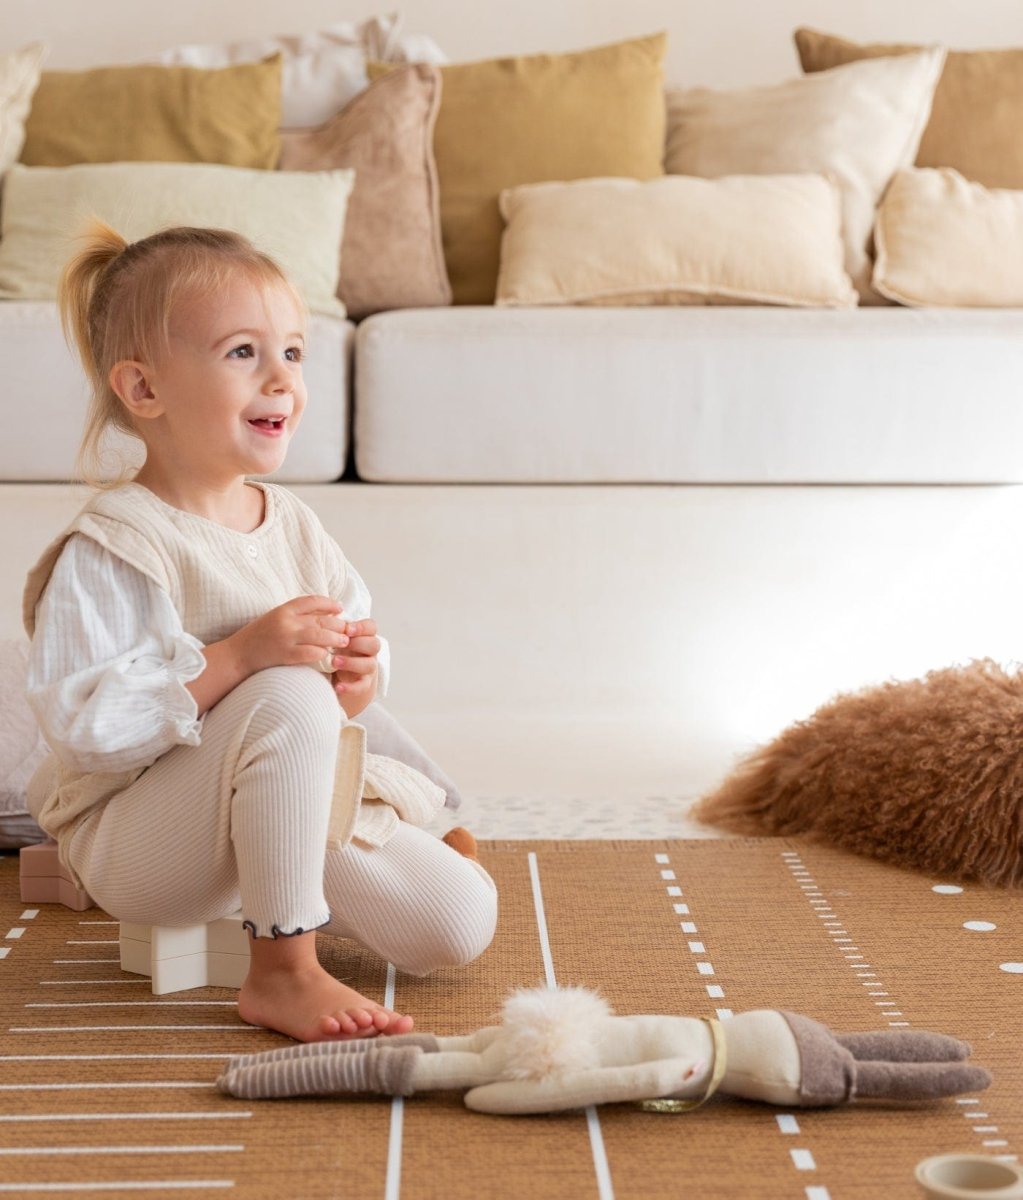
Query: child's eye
[244,351]
[294,354]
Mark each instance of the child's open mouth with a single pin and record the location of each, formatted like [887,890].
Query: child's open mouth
[268,425]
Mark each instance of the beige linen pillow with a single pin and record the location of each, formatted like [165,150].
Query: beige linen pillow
[295,216]
[19,78]
[859,123]
[676,240]
[157,114]
[510,121]
[943,240]
[392,255]
[322,70]
[977,112]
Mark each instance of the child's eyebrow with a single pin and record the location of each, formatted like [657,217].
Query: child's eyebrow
[255,333]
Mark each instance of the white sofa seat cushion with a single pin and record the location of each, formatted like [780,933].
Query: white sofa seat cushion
[47,398]
[689,395]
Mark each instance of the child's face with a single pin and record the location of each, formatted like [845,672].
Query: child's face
[230,390]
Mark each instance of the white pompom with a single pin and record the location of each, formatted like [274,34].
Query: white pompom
[551,1032]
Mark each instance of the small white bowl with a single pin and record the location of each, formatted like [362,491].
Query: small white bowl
[969,1177]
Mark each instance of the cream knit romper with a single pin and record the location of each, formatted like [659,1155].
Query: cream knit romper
[236,816]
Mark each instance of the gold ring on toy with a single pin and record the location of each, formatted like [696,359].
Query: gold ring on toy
[720,1065]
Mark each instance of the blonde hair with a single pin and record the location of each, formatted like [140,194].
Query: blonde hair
[117,301]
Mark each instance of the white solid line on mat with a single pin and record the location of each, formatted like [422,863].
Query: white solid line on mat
[803,1160]
[83,961]
[123,1028]
[122,1185]
[225,1149]
[76,1087]
[70,982]
[99,922]
[787,1123]
[132,1004]
[29,914]
[130,1116]
[104,1057]
[392,1184]
[95,942]
[605,1189]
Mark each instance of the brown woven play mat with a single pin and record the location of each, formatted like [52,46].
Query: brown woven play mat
[104,1086]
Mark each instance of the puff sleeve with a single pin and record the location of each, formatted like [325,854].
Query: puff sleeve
[109,663]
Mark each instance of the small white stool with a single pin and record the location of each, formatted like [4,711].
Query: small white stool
[187,956]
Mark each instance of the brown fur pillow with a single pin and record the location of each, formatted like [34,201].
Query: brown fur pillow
[925,774]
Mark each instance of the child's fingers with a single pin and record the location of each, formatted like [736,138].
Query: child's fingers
[308,604]
[356,666]
[364,628]
[369,646]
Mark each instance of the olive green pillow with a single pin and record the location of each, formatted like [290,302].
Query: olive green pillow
[505,122]
[228,115]
[977,111]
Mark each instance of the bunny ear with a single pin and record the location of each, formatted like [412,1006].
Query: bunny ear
[918,1081]
[894,1045]
[677,1077]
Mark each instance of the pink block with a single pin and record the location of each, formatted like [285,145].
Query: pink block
[44,880]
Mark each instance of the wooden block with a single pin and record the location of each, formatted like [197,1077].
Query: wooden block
[189,956]
[43,879]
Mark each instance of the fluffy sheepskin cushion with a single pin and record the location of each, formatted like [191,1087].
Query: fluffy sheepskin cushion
[925,774]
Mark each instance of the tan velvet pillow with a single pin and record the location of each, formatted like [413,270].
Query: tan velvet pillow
[157,114]
[509,121]
[859,123]
[19,78]
[977,112]
[675,240]
[391,256]
[944,240]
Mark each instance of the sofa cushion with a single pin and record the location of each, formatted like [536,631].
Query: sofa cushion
[156,114]
[689,395]
[506,121]
[977,111]
[19,78]
[321,70]
[51,398]
[768,239]
[391,254]
[297,217]
[860,123]
[944,240]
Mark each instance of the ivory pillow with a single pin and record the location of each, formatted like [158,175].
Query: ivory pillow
[978,107]
[156,114]
[391,256]
[942,240]
[323,70]
[297,217]
[676,240]
[509,121]
[19,78]
[859,123]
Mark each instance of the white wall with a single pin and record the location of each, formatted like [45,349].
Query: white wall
[725,43]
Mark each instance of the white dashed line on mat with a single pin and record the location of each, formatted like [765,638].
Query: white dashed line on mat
[802,1159]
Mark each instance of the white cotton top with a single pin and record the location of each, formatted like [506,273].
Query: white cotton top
[110,660]
[119,607]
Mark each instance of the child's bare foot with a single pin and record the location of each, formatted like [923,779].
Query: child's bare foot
[289,991]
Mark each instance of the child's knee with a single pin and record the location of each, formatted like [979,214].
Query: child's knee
[458,932]
[299,698]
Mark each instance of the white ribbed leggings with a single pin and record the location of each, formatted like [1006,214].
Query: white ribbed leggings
[240,821]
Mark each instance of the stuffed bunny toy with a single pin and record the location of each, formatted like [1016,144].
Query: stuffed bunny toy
[563,1049]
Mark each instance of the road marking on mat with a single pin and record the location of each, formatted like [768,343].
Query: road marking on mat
[19,1151]
[605,1188]
[128,1116]
[121,1185]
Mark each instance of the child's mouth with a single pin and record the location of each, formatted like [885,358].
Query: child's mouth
[270,426]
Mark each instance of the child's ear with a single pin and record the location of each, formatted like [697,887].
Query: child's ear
[131,381]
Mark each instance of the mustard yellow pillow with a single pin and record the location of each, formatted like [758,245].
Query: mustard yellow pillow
[157,114]
[977,112]
[510,121]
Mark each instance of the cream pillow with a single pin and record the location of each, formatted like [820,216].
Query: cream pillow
[323,70]
[19,78]
[298,217]
[859,123]
[943,240]
[676,240]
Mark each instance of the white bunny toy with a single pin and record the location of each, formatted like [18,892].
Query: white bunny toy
[564,1049]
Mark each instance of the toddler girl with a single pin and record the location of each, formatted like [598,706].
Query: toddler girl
[177,625]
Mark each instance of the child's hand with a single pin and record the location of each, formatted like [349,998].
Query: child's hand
[300,631]
[355,674]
